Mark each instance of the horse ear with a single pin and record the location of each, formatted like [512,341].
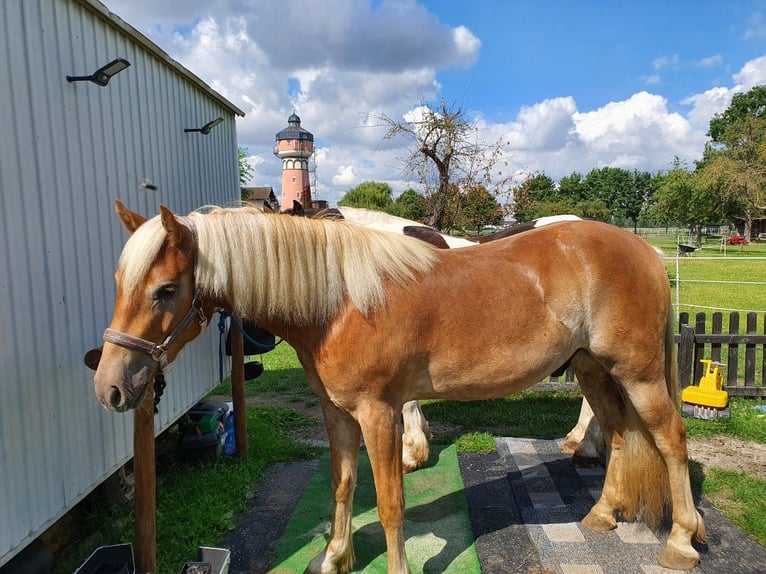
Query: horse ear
[298,208]
[171,225]
[130,219]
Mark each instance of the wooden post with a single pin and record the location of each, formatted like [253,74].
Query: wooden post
[146,485]
[238,391]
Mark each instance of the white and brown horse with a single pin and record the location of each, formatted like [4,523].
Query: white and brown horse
[359,308]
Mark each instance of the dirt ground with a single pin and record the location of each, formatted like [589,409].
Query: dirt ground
[728,453]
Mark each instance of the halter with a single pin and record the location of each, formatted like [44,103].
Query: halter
[158,352]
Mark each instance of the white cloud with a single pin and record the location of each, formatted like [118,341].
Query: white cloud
[710,61]
[753,73]
[652,79]
[664,62]
[706,105]
[345,176]
[543,126]
[715,100]
[343,64]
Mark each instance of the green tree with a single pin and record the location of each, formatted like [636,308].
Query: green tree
[734,162]
[480,208]
[370,195]
[682,198]
[411,205]
[632,201]
[572,187]
[537,189]
[245,169]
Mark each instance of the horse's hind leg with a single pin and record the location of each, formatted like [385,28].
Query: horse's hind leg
[381,428]
[660,417]
[344,434]
[415,438]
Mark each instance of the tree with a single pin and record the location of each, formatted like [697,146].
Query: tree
[245,169]
[480,208]
[528,197]
[633,201]
[734,162]
[411,205]
[682,198]
[370,195]
[444,148]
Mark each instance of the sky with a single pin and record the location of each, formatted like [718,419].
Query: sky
[563,86]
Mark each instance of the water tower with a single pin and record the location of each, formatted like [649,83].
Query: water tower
[295,146]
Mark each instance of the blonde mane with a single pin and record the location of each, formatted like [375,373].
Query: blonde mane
[294,268]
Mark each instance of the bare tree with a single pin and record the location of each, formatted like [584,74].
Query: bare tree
[444,148]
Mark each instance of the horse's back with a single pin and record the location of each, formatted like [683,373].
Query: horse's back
[508,313]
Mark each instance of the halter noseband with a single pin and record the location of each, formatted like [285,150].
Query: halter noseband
[158,352]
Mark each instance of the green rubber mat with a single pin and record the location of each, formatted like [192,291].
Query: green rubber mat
[437,531]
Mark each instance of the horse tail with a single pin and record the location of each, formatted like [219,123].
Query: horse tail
[646,484]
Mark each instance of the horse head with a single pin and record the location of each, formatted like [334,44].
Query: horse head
[157,309]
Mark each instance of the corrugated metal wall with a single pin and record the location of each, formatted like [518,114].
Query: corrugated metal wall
[67,150]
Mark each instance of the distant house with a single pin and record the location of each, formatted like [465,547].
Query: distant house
[758,229]
[260,197]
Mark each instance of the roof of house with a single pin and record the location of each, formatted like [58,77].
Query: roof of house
[259,193]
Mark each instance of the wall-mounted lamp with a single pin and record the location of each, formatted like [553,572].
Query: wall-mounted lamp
[204,130]
[102,76]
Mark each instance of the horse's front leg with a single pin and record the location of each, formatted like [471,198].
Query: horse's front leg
[415,438]
[344,433]
[381,428]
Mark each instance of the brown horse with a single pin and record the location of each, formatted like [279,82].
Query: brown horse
[358,306]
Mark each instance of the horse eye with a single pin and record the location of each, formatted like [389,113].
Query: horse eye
[165,292]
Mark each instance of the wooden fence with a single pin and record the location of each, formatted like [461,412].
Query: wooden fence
[743,353]
[745,375]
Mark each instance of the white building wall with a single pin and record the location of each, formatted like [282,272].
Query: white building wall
[67,150]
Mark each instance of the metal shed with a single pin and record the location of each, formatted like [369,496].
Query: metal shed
[68,150]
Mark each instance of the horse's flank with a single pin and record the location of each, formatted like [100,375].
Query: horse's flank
[245,257]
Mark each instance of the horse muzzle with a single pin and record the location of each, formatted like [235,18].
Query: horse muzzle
[120,385]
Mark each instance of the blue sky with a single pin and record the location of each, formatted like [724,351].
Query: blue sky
[565,86]
[599,52]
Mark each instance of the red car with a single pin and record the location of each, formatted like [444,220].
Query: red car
[737,240]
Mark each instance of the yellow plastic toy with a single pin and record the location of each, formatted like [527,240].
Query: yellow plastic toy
[708,399]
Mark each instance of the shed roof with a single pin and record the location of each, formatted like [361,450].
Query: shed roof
[259,193]
[114,20]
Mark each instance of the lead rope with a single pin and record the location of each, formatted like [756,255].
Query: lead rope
[159,388]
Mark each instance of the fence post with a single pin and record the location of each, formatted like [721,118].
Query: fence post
[685,355]
[751,329]
[238,392]
[733,363]
[699,348]
[716,329]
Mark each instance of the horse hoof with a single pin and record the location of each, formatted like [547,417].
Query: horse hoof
[570,447]
[677,558]
[599,522]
